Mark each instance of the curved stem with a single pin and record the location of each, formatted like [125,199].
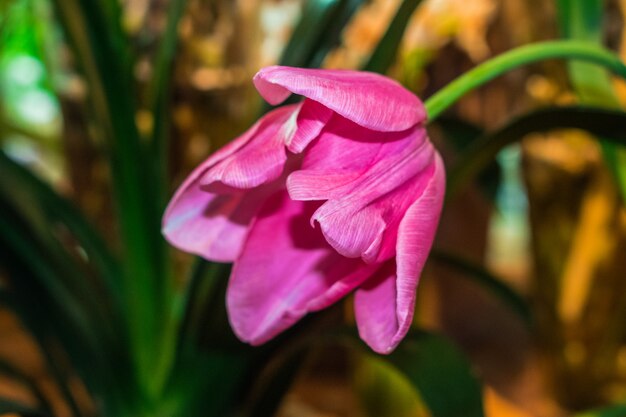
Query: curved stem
[574,50]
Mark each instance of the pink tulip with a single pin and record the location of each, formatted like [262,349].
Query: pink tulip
[340,192]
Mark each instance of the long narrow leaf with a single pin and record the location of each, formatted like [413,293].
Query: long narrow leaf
[103,56]
[601,122]
[317,17]
[158,102]
[159,90]
[9,370]
[618,410]
[49,308]
[441,374]
[38,206]
[461,134]
[331,36]
[16,177]
[485,279]
[30,319]
[12,407]
[582,20]
[387,48]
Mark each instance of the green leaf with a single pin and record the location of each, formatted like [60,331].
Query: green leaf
[203,309]
[59,210]
[316,34]
[94,31]
[385,52]
[485,279]
[208,356]
[383,390]
[331,36]
[48,218]
[618,410]
[440,373]
[38,328]
[43,290]
[158,97]
[601,122]
[460,135]
[317,31]
[159,103]
[273,384]
[12,407]
[523,55]
[9,370]
[582,20]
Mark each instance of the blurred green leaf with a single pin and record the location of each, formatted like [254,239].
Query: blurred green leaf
[582,20]
[383,390]
[601,122]
[485,279]
[316,34]
[205,383]
[208,356]
[440,373]
[59,210]
[158,97]
[618,410]
[53,271]
[158,156]
[331,36]
[203,309]
[102,48]
[55,302]
[46,219]
[273,384]
[32,321]
[385,52]
[11,407]
[12,372]
[461,135]
[317,31]
[252,380]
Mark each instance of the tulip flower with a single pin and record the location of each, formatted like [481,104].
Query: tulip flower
[341,192]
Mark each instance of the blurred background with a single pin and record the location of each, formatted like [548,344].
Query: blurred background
[546,218]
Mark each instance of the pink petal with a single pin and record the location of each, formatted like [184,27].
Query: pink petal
[259,158]
[211,220]
[385,304]
[368,99]
[214,224]
[310,121]
[286,270]
[343,152]
[369,185]
[375,309]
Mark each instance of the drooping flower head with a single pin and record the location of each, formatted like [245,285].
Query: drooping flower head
[341,192]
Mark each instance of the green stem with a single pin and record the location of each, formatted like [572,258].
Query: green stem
[574,50]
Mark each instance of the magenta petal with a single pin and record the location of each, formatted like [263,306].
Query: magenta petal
[385,304]
[363,211]
[375,310]
[286,270]
[342,153]
[211,220]
[211,224]
[311,119]
[261,158]
[368,99]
